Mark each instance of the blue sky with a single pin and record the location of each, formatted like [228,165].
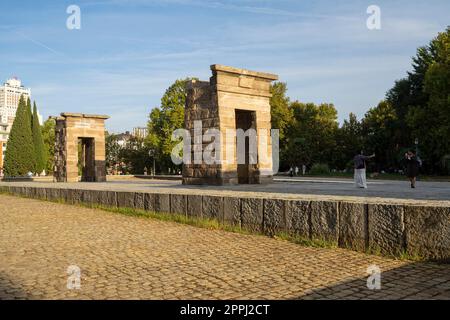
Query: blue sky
[128,52]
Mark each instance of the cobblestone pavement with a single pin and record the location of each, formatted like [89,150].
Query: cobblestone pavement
[124,257]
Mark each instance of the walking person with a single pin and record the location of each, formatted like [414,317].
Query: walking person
[360,169]
[296,171]
[412,167]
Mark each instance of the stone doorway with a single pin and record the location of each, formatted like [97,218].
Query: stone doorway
[87,159]
[248,157]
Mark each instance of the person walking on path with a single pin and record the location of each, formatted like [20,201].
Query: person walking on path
[360,169]
[412,167]
[291,171]
[296,171]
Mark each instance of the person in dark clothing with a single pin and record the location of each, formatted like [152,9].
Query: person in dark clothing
[412,167]
[360,169]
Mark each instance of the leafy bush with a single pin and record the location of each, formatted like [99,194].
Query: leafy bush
[445,164]
[319,169]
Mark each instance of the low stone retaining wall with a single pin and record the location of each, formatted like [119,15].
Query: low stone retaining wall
[386,228]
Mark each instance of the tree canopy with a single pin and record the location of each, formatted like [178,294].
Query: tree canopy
[163,121]
[48,137]
[422,103]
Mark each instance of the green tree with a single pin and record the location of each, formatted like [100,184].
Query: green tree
[29,112]
[39,149]
[377,128]
[135,156]
[281,114]
[163,121]
[48,137]
[349,142]
[112,150]
[30,116]
[421,102]
[430,121]
[312,136]
[281,119]
[19,158]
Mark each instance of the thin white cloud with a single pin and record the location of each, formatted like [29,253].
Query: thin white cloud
[38,43]
[210,4]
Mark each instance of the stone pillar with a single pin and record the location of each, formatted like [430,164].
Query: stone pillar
[59,168]
[70,128]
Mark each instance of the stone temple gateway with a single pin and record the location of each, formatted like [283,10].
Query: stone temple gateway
[232,99]
[76,132]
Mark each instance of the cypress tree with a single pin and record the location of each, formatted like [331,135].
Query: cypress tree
[30,117]
[29,114]
[19,157]
[39,150]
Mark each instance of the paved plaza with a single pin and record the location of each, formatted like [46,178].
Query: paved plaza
[426,190]
[123,257]
[287,187]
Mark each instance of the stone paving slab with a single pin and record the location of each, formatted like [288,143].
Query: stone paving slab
[124,257]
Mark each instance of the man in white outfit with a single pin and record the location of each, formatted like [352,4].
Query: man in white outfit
[360,169]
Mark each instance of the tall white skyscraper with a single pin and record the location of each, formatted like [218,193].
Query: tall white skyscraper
[10,93]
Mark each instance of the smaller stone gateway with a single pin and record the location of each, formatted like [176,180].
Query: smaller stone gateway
[236,100]
[71,130]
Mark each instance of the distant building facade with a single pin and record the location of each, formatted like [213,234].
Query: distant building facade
[123,138]
[140,132]
[10,93]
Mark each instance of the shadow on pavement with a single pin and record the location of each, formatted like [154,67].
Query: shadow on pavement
[417,281]
[11,289]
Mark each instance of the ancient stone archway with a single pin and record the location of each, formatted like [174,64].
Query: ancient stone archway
[80,142]
[233,99]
